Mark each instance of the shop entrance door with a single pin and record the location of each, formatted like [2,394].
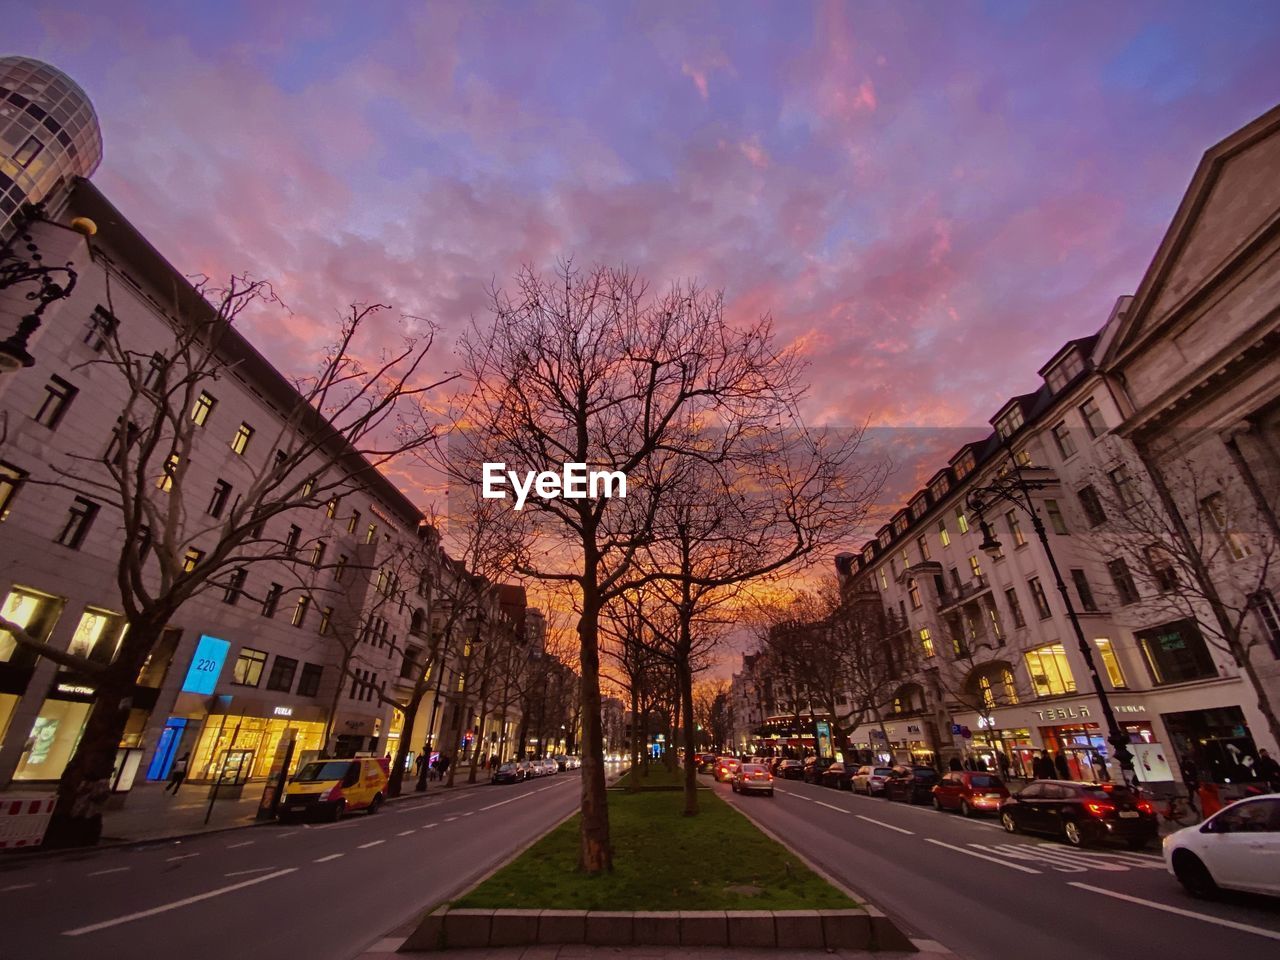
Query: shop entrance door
[167,749]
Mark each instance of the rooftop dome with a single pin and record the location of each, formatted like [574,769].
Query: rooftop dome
[49,134]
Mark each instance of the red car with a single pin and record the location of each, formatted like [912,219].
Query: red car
[969,792]
[725,768]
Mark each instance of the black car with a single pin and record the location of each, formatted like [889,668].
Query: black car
[508,773]
[1081,813]
[837,775]
[790,770]
[815,767]
[913,784]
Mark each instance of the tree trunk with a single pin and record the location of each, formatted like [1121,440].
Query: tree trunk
[596,855]
[685,676]
[395,783]
[634,779]
[85,784]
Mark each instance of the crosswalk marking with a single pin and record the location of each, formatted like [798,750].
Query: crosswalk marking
[982,856]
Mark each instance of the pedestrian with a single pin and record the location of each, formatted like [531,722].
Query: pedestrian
[1002,760]
[444,764]
[980,764]
[1268,771]
[1060,765]
[1042,766]
[422,766]
[178,773]
[1191,777]
[954,764]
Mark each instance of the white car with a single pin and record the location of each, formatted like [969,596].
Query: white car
[1238,848]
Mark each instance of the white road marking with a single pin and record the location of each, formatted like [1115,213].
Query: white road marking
[245,873]
[430,825]
[1244,927]
[164,908]
[468,813]
[98,873]
[17,886]
[881,823]
[981,856]
[287,834]
[404,833]
[450,819]
[244,844]
[185,856]
[332,856]
[508,800]
[371,843]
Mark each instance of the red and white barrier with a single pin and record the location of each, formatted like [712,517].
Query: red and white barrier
[23,820]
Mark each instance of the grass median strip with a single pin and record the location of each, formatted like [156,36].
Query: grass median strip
[717,860]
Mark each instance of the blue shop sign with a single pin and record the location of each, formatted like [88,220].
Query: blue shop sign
[206,665]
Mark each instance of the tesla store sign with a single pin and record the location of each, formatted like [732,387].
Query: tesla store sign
[1064,713]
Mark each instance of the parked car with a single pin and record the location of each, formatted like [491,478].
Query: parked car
[837,775]
[912,784]
[549,766]
[562,761]
[526,769]
[726,767]
[334,787]
[706,762]
[575,762]
[969,792]
[790,770]
[1081,813]
[870,780]
[753,778]
[1238,848]
[508,773]
[814,767]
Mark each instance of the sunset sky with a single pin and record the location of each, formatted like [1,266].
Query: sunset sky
[931,197]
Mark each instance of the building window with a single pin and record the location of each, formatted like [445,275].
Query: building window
[235,585]
[1023,458]
[913,591]
[11,479]
[291,541]
[1092,505]
[1093,421]
[272,600]
[308,487]
[943,535]
[191,559]
[1122,579]
[964,466]
[371,533]
[1056,520]
[353,521]
[281,459]
[1015,608]
[97,636]
[1010,423]
[941,487]
[300,611]
[123,437]
[58,394]
[218,502]
[1085,592]
[240,442]
[1041,601]
[410,669]
[1263,604]
[340,568]
[1015,529]
[282,671]
[247,671]
[900,525]
[975,568]
[1064,372]
[1107,653]
[153,379]
[203,407]
[142,542]
[79,519]
[102,327]
[918,507]
[317,553]
[893,567]
[1122,483]
[906,560]
[1163,573]
[1176,653]
[309,681]
[29,150]
[1214,508]
[994,615]
[165,482]
[1050,672]
[926,643]
[326,618]
[923,544]
[1062,440]
[331,508]
[962,521]
[884,581]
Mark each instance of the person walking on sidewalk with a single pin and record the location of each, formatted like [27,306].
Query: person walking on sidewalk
[424,768]
[1267,770]
[178,773]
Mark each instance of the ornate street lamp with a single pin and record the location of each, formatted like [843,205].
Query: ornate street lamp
[1014,488]
[21,263]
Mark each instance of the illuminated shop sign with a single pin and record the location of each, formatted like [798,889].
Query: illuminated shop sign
[283,711]
[206,665]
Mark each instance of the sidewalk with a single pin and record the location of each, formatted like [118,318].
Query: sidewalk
[150,814]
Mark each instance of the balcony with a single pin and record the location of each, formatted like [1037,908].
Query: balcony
[965,593]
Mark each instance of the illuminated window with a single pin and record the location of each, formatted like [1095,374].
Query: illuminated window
[1015,528]
[975,567]
[943,535]
[371,533]
[191,560]
[247,671]
[923,544]
[884,581]
[353,521]
[962,521]
[926,643]
[317,553]
[165,483]
[240,442]
[10,483]
[326,618]
[1050,672]
[331,507]
[203,407]
[97,636]
[1108,655]
[300,611]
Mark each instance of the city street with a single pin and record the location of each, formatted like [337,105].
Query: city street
[320,891]
[986,894]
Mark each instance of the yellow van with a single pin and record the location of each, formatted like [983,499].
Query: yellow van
[333,787]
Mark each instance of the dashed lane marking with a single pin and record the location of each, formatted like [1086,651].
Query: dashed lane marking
[404,833]
[887,826]
[332,856]
[245,873]
[1232,924]
[288,833]
[17,886]
[99,873]
[430,825]
[243,844]
[982,856]
[450,819]
[187,901]
[185,856]
[371,843]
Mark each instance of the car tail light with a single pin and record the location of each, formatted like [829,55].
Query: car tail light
[1098,809]
[1146,806]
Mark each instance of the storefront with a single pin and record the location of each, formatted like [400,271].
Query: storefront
[1217,740]
[254,741]
[1014,743]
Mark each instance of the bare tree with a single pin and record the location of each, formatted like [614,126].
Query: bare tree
[590,368]
[353,415]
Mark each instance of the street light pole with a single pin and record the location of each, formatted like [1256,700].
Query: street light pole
[1014,488]
[50,284]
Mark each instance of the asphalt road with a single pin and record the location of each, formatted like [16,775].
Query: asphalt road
[990,896]
[323,892]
